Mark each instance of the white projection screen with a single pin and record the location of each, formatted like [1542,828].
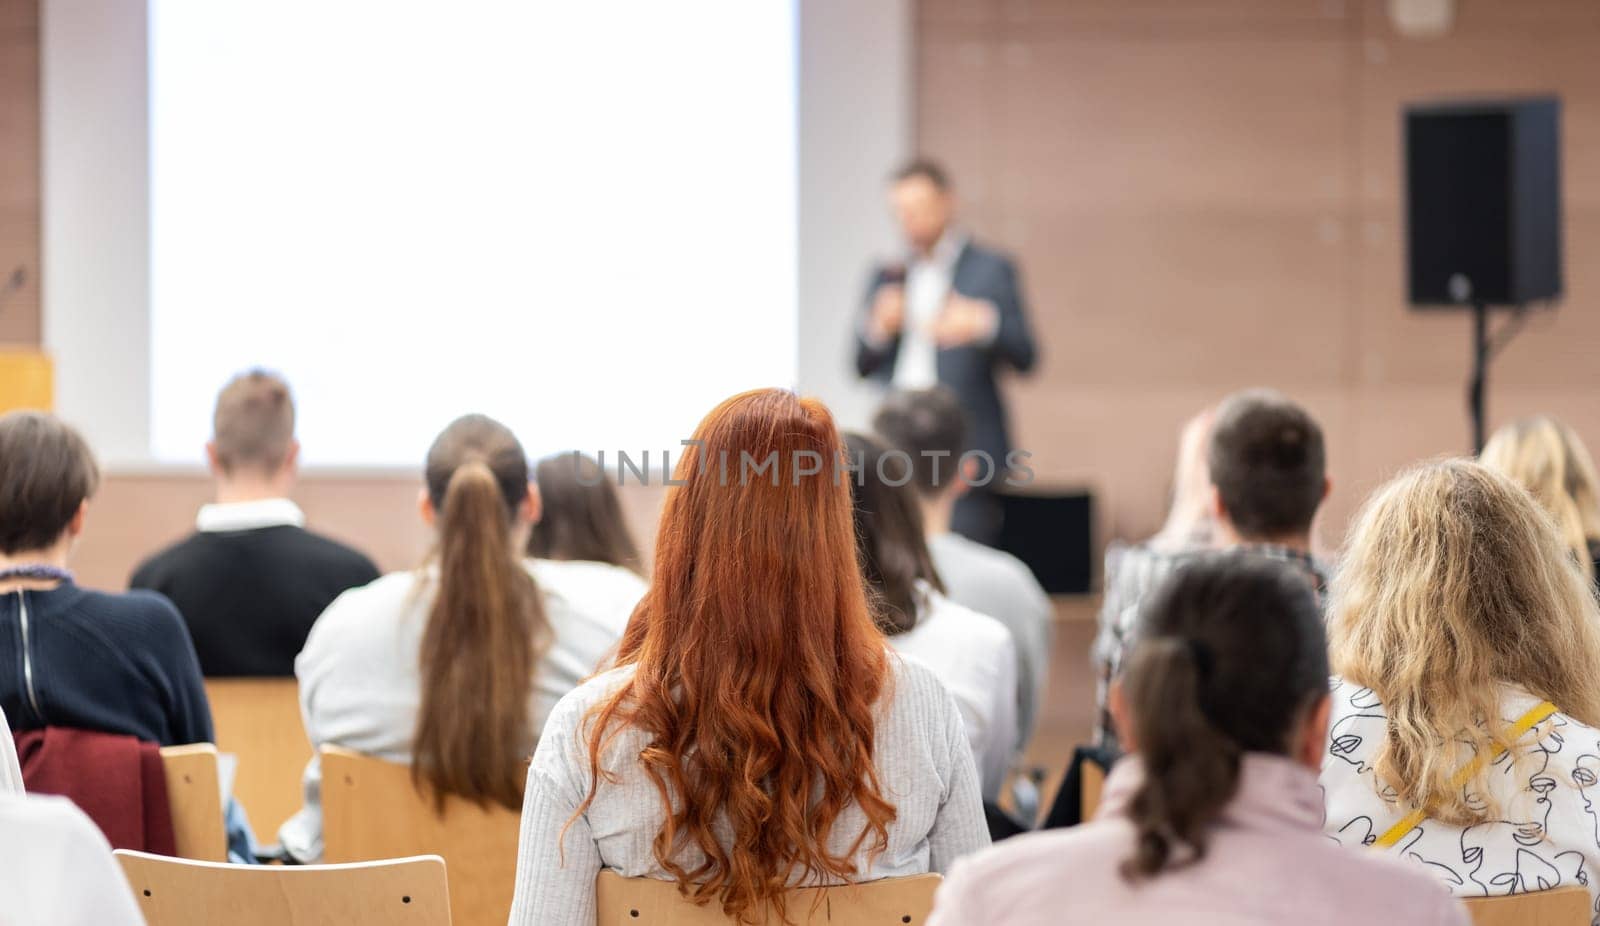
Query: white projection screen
[579,218]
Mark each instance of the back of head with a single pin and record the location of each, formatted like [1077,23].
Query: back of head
[1546,457]
[931,426]
[1231,660]
[46,473]
[756,664]
[486,628]
[581,519]
[253,425]
[888,526]
[1268,463]
[1455,585]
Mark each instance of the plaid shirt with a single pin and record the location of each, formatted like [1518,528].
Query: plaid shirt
[1134,572]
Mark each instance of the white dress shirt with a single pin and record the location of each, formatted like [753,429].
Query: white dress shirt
[974,656]
[57,868]
[247,516]
[928,281]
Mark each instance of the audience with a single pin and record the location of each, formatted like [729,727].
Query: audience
[454,666]
[756,732]
[580,545]
[55,867]
[973,655]
[1266,466]
[1548,459]
[930,425]
[1460,625]
[251,580]
[1214,815]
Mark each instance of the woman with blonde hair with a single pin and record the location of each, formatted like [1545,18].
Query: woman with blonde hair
[1548,459]
[1465,644]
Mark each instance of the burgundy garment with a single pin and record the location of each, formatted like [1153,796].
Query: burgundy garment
[118,781]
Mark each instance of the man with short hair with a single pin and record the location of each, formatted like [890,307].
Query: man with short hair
[252,580]
[1268,471]
[951,314]
[930,426]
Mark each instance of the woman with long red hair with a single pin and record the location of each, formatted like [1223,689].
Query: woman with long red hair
[756,734]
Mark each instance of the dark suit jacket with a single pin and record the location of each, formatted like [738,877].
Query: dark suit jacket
[969,372]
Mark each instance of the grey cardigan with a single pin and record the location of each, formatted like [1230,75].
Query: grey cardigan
[923,761]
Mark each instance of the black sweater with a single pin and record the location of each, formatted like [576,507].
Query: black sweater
[112,663]
[250,597]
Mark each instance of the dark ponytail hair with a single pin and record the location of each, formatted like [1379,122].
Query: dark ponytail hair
[487,629]
[889,540]
[1231,657]
[582,517]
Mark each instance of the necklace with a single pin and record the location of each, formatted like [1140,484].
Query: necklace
[41,571]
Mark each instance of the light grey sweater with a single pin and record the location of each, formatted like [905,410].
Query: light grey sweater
[923,761]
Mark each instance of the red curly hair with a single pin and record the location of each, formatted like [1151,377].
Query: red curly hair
[756,662]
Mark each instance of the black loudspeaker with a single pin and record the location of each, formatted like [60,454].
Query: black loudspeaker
[1054,536]
[1483,201]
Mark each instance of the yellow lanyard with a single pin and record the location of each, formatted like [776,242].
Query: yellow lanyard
[1535,716]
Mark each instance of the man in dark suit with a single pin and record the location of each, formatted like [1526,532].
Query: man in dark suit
[951,315]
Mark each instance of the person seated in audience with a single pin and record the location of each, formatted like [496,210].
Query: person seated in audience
[451,667]
[69,656]
[1459,626]
[580,545]
[756,733]
[1548,459]
[1214,816]
[251,580]
[55,865]
[930,425]
[971,653]
[1266,468]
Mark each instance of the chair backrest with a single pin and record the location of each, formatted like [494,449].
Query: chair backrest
[371,809]
[1090,786]
[258,720]
[623,901]
[195,795]
[178,892]
[1563,906]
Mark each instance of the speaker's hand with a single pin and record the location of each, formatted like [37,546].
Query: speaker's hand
[966,321]
[888,313]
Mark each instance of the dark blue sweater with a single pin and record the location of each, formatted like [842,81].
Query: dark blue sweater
[113,663]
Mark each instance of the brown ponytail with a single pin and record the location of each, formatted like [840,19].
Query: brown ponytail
[1233,655]
[486,630]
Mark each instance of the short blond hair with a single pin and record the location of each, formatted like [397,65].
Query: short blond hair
[253,427]
[1548,459]
[1455,587]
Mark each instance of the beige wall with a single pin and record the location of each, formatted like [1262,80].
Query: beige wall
[1205,196]
[19,167]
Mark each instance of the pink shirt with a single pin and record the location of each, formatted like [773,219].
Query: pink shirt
[1267,862]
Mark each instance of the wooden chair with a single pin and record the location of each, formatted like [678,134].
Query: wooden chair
[1563,906]
[258,720]
[1091,784]
[179,892]
[651,902]
[195,794]
[371,810]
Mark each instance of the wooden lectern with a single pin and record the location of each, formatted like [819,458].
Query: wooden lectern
[27,379]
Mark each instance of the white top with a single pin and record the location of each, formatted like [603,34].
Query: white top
[57,868]
[973,655]
[248,516]
[360,672]
[928,280]
[1546,836]
[920,754]
[10,770]
[995,583]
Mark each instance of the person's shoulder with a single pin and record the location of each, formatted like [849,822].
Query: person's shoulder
[571,709]
[957,621]
[1031,865]
[160,566]
[983,561]
[979,251]
[1407,892]
[333,553]
[136,611]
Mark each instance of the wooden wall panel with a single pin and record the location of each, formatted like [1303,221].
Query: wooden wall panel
[19,167]
[1206,196]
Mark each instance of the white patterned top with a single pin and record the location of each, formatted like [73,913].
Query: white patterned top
[1548,834]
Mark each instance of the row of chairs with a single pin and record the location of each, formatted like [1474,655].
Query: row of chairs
[372,811]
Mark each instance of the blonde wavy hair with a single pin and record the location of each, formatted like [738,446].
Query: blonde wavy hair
[1547,458]
[1456,585]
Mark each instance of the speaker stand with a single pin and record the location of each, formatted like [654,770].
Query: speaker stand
[1484,349]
